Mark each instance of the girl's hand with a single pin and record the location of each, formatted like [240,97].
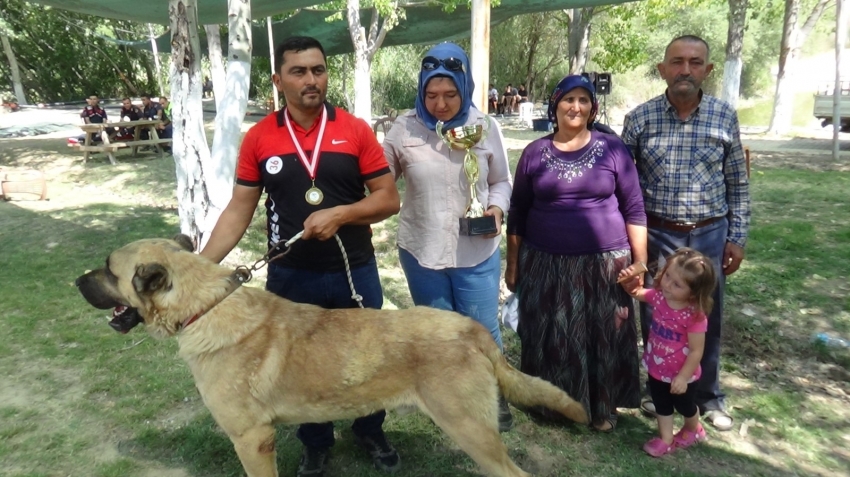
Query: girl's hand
[679,385]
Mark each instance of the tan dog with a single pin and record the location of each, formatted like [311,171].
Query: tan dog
[259,359]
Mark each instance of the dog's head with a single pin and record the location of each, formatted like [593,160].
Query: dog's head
[137,283]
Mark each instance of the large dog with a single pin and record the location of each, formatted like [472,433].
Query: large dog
[259,359]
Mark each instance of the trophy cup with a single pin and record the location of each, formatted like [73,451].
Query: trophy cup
[464,137]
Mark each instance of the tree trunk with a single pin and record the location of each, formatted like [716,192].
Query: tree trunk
[217,71]
[190,149]
[155,52]
[792,40]
[734,47]
[365,47]
[579,35]
[20,96]
[362,78]
[230,111]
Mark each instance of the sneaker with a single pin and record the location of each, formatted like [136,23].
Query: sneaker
[506,420]
[656,447]
[686,438]
[314,462]
[384,456]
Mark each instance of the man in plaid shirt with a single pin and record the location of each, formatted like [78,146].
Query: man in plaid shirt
[688,152]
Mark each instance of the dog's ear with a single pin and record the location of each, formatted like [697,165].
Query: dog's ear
[149,278]
[185,241]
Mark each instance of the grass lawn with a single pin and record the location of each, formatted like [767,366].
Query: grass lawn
[758,114]
[78,399]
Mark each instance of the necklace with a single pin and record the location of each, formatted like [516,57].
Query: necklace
[314,195]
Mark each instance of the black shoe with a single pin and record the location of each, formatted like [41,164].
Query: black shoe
[314,462]
[506,420]
[384,456]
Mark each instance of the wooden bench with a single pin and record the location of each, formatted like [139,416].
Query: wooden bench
[110,147]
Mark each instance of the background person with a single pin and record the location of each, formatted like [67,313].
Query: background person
[687,147]
[322,193]
[94,114]
[680,299]
[508,100]
[576,219]
[444,269]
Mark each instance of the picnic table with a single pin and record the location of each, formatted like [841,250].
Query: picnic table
[110,147]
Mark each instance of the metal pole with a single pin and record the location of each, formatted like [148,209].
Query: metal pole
[480,57]
[271,58]
[156,59]
[842,16]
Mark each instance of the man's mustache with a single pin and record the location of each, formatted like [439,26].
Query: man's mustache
[689,79]
[311,90]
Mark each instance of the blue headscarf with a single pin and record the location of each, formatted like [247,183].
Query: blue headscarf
[566,85]
[462,80]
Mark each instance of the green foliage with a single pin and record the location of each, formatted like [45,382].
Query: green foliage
[632,35]
[395,77]
[64,56]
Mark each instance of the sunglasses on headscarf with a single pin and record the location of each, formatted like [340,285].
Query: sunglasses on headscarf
[429,63]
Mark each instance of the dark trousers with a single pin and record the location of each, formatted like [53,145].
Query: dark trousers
[665,401]
[710,241]
[330,290]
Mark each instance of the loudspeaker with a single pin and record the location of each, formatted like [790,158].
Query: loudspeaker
[603,83]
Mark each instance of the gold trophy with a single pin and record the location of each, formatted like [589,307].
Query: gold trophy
[465,137]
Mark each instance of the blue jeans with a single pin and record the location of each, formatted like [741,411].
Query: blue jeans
[470,291]
[330,290]
[710,241]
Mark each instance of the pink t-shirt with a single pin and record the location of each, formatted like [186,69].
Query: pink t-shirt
[667,348]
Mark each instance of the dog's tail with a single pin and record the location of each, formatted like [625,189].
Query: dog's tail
[524,390]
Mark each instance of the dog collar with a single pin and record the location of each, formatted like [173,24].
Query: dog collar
[236,279]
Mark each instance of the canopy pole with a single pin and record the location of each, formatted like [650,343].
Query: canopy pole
[480,57]
[842,16]
[271,60]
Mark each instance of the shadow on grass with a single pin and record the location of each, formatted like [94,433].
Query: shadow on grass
[204,450]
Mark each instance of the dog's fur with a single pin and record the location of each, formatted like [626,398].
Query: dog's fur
[259,359]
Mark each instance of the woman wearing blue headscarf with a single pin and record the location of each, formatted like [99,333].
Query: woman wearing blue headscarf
[576,219]
[444,268]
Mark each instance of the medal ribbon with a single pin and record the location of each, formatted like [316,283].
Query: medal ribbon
[313,163]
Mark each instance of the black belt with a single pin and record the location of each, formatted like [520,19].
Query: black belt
[678,226]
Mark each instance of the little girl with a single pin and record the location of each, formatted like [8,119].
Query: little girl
[681,300]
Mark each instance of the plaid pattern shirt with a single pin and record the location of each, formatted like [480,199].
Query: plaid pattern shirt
[693,169]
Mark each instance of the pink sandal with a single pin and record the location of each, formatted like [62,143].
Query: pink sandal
[656,447]
[686,438]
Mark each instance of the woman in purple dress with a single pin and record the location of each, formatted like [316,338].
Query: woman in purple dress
[576,219]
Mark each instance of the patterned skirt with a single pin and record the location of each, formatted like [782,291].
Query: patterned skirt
[577,328]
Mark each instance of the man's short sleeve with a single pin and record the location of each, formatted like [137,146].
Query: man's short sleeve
[248,169]
[371,157]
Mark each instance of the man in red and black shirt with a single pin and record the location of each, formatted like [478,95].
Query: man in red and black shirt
[315,162]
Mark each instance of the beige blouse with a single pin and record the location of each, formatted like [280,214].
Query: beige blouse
[436,194]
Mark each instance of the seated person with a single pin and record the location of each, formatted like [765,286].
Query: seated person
[129,112]
[522,94]
[493,99]
[506,106]
[164,129]
[150,110]
[207,88]
[94,114]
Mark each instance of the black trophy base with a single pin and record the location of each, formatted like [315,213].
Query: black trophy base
[478,225]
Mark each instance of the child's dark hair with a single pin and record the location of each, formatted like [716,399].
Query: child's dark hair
[698,272]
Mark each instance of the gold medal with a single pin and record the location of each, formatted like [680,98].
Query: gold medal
[314,196]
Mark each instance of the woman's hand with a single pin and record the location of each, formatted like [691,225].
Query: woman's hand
[631,277]
[510,278]
[494,211]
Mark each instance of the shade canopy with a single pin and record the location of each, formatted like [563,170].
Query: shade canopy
[422,25]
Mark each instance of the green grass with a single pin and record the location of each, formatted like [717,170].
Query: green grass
[80,399]
[758,114]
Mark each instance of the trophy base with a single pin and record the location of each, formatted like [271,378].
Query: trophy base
[478,225]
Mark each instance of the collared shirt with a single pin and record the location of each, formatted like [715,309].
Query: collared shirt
[436,191]
[693,169]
